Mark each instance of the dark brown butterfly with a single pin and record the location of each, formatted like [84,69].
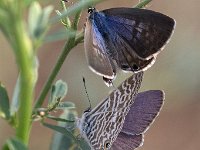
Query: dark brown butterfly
[126,38]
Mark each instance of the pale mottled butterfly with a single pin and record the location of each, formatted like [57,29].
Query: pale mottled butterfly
[141,115]
[101,126]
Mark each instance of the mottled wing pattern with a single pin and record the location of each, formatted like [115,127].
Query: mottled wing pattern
[97,61]
[127,142]
[101,126]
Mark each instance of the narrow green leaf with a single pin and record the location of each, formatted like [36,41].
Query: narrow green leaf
[142,4]
[35,12]
[58,92]
[15,144]
[60,35]
[59,119]
[45,15]
[38,22]
[76,20]
[83,144]
[64,105]
[15,104]
[15,99]
[65,20]
[75,8]
[60,129]
[61,142]
[4,103]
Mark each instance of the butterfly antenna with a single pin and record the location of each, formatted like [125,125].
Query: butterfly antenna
[89,108]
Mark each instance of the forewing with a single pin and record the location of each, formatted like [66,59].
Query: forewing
[97,60]
[127,142]
[144,30]
[103,124]
[143,112]
[124,54]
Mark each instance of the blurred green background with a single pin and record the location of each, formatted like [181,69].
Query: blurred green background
[176,71]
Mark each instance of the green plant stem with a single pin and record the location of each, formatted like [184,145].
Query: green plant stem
[68,46]
[25,61]
[15,32]
[76,7]
[142,4]
[72,42]
[79,38]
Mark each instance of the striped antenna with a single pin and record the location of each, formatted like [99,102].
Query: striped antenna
[90,106]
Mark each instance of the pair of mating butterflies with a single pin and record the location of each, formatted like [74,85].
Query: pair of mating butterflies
[130,39]
[119,121]
[126,38]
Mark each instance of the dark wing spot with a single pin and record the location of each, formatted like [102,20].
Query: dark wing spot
[135,67]
[107,145]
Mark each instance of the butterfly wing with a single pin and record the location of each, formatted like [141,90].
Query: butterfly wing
[101,126]
[145,31]
[127,142]
[143,112]
[97,61]
[131,37]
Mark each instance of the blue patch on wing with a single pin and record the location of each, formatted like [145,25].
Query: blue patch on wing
[127,29]
[122,26]
[98,38]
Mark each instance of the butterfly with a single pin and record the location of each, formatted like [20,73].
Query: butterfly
[141,115]
[126,38]
[101,126]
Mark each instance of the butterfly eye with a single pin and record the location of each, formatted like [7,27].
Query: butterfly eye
[107,145]
[91,10]
[107,81]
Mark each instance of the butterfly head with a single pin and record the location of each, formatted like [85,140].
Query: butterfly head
[80,123]
[91,10]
